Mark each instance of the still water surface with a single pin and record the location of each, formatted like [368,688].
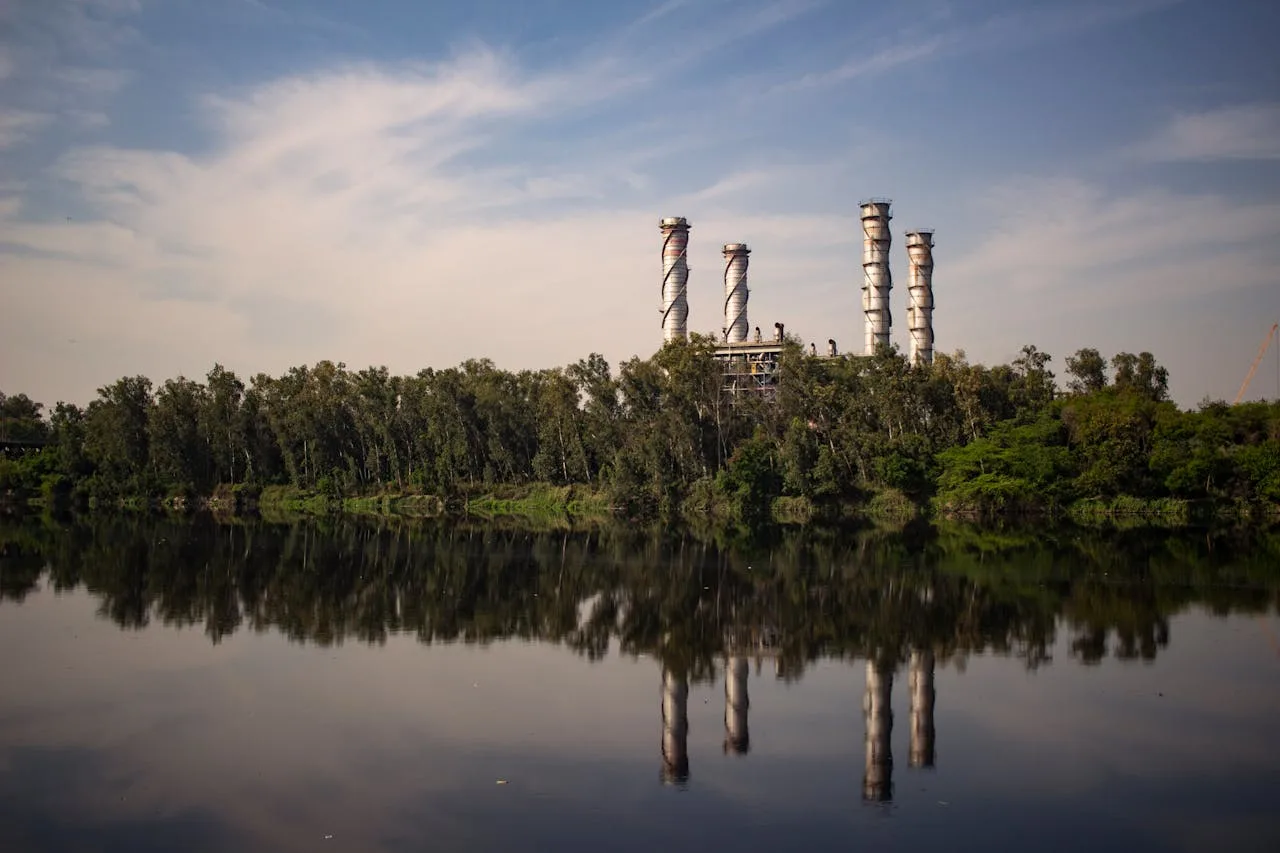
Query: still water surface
[361,686]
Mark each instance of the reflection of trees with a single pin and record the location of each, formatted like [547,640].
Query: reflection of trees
[689,602]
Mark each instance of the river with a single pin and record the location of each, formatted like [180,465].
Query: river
[368,685]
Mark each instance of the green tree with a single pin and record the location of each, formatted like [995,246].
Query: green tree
[1140,374]
[116,437]
[1088,371]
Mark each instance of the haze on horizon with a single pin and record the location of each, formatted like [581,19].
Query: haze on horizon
[268,183]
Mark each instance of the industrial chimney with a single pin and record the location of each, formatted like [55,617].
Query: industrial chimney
[876,280]
[735,292]
[920,300]
[675,278]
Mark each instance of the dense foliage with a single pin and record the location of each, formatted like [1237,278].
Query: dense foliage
[663,434]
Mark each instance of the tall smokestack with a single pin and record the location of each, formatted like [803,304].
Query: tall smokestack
[920,288]
[920,686]
[735,292]
[876,280]
[675,278]
[877,780]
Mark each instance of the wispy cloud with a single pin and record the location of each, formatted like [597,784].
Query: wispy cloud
[1071,237]
[64,61]
[368,218]
[18,125]
[94,81]
[866,66]
[657,13]
[648,59]
[272,14]
[1125,266]
[1008,30]
[1239,132]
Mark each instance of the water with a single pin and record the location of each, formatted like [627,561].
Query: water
[356,686]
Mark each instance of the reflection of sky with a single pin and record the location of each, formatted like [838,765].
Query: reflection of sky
[159,740]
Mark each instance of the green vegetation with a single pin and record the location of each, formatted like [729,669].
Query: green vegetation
[660,438]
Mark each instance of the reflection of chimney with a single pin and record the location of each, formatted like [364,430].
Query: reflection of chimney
[675,728]
[920,685]
[877,782]
[736,737]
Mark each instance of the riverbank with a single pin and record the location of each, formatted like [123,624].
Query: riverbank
[536,502]
[545,504]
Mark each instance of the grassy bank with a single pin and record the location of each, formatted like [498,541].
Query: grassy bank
[540,501]
[535,501]
[543,505]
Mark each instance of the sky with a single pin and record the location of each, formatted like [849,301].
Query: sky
[268,183]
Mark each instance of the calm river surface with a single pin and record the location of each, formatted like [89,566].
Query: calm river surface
[365,686]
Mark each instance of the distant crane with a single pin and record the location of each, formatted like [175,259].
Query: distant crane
[1253,368]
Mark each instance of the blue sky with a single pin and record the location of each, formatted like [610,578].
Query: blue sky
[265,183]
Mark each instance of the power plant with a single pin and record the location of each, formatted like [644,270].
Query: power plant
[751,361]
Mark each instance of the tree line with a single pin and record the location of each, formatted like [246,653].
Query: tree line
[663,434]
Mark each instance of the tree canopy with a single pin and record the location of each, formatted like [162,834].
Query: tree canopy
[663,431]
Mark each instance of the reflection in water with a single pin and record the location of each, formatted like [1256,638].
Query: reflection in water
[920,683]
[877,781]
[687,602]
[675,728]
[160,703]
[737,739]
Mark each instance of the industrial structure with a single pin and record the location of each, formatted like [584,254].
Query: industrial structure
[920,288]
[735,292]
[876,278]
[750,359]
[675,278]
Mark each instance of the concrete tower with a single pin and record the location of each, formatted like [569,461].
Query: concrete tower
[876,279]
[735,292]
[675,278]
[920,299]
